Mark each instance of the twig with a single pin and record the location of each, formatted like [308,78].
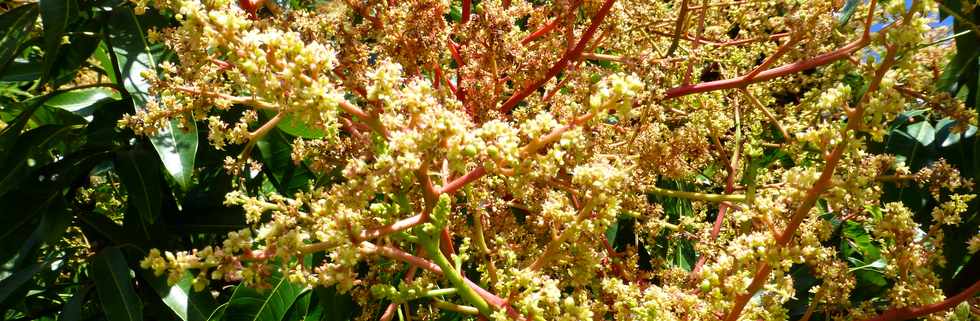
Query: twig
[906,313]
[769,115]
[697,196]
[563,62]
[678,29]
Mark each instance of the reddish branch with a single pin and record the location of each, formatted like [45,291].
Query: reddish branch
[722,210]
[768,74]
[772,73]
[764,270]
[855,118]
[399,226]
[394,253]
[906,313]
[460,94]
[773,57]
[542,31]
[748,40]
[454,50]
[461,181]
[563,62]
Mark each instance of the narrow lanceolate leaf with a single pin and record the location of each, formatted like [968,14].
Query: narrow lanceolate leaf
[73,309]
[300,308]
[15,283]
[82,102]
[176,143]
[114,285]
[181,297]
[140,174]
[55,16]
[10,134]
[269,305]
[15,25]
[29,152]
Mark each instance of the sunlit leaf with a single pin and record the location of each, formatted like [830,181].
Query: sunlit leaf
[177,143]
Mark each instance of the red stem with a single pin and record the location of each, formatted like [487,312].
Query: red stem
[563,62]
[906,313]
[821,184]
[454,50]
[399,226]
[769,73]
[461,181]
[541,32]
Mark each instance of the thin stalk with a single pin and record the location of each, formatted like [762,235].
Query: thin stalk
[551,250]
[696,44]
[769,115]
[574,54]
[254,136]
[440,292]
[678,29]
[450,273]
[771,73]
[854,120]
[481,244]
[247,101]
[736,198]
[455,307]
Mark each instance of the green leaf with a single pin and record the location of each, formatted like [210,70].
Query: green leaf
[295,126]
[16,282]
[140,174]
[55,219]
[29,153]
[848,11]
[923,132]
[73,309]
[331,306]
[39,212]
[103,129]
[611,232]
[271,304]
[300,307]
[275,150]
[180,297]
[83,102]
[15,26]
[857,238]
[959,66]
[21,70]
[176,144]
[9,134]
[99,226]
[55,15]
[684,255]
[114,285]
[219,313]
[70,57]
[177,147]
[101,55]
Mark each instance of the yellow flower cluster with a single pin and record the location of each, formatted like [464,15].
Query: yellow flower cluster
[633,160]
